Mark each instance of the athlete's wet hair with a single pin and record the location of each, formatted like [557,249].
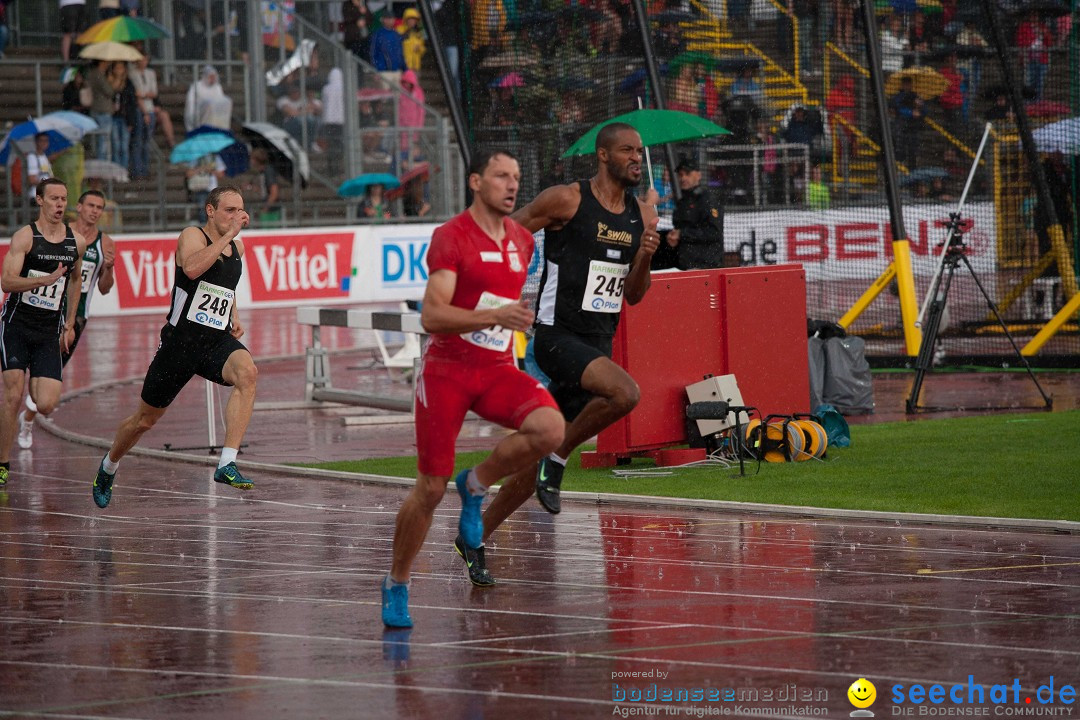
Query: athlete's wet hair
[215,195]
[606,137]
[484,156]
[94,193]
[46,182]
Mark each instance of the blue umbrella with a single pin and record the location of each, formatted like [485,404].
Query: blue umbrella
[62,133]
[358,185]
[234,156]
[196,147]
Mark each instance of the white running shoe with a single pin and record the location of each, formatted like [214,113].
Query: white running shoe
[26,432]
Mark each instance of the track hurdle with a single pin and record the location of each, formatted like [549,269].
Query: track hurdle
[317,360]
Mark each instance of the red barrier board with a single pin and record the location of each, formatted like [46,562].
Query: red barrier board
[750,322]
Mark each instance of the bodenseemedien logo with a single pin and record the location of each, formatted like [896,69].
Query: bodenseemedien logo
[862,694]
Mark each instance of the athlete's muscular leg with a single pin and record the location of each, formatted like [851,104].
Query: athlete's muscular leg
[46,394]
[14,381]
[539,434]
[512,494]
[241,373]
[133,428]
[413,522]
[614,393]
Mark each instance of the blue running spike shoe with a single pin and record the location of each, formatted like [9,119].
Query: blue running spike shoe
[395,605]
[548,481]
[229,475]
[103,486]
[474,561]
[471,522]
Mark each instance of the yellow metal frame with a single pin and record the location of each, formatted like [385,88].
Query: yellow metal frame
[1051,328]
[900,269]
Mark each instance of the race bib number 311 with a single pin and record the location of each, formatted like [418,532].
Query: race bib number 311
[212,306]
[604,289]
[48,297]
[495,338]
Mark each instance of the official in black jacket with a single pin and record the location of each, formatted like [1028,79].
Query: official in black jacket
[698,237]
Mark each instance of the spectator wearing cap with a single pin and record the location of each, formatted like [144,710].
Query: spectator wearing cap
[388,51]
[413,39]
[698,237]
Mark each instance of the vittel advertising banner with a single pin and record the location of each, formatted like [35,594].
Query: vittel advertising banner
[309,266]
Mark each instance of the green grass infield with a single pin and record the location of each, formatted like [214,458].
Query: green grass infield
[1013,466]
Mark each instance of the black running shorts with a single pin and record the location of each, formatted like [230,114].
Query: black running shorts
[563,356]
[31,347]
[179,359]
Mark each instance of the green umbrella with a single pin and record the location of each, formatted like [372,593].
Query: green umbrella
[656,127]
[693,57]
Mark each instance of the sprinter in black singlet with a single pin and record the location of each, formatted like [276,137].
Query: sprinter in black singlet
[598,242]
[97,274]
[201,337]
[40,271]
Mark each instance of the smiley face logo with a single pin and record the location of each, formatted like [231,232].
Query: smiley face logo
[862,693]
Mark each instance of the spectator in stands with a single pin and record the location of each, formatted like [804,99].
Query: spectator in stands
[970,65]
[147,82]
[38,166]
[800,128]
[807,12]
[125,114]
[373,205]
[669,40]
[102,95]
[388,51]
[130,7]
[844,23]
[300,113]
[4,26]
[818,196]
[952,100]
[413,39]
[411,114]
[72,18]
[894,44]
[1001,109]
[76,94]
[356,25]
[606,29]
[261,188]
[448,21]
[203,175]
[488,27]
[332,128]
[1033,36]
[920,37]
[108,9]
[841,106]
[747,84]
[207,103]
[907,110]
[768,159]
[414,201]
[142,136]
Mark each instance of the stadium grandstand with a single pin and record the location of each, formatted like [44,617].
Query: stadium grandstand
[804,171]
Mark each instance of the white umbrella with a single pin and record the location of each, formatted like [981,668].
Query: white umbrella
[1062,136]
[106,170]
[110,50]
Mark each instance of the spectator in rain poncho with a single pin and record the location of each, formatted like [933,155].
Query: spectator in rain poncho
[207,103]
[410,113]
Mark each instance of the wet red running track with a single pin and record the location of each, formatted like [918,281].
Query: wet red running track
[187,599]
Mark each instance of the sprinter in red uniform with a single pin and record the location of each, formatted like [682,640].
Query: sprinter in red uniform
[477,265]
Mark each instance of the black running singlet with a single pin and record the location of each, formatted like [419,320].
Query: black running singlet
[44,305]
[586,264]
[203,306]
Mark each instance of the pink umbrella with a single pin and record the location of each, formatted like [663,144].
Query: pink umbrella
[509,80]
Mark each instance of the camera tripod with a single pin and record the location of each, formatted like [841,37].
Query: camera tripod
[954,254]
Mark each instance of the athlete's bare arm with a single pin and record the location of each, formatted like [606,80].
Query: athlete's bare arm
[195,257]
[236,328]
[551,209]
[640,277]
[106,278]
[10,279]
[437,315]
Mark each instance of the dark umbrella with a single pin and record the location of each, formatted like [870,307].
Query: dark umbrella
[283,148]
[737,64]
[1044,8]
[991,92]
[634,82]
